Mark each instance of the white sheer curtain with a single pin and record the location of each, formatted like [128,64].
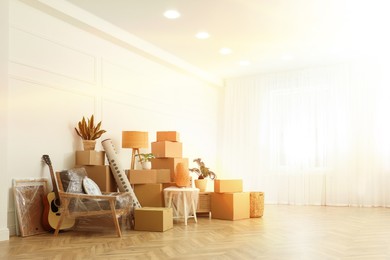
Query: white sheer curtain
[311,137]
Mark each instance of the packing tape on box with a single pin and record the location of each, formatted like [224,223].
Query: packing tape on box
[118,172]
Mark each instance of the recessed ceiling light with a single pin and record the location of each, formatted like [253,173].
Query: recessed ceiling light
[172,14]
[225,51]
[202,35]
[244,63]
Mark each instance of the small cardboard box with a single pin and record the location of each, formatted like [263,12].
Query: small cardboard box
[90,157]
[221,186]
[149,176]
[101,174]
[153,219]
[151,194]
[230,206]
[167,149]
[169,163]
[172,136]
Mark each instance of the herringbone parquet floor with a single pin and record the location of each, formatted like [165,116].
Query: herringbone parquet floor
[284,232]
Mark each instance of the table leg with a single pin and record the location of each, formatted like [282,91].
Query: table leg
[194,210]
[185,208]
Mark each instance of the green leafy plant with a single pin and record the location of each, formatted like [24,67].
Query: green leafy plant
[145,157]
[203,172]
[87,129]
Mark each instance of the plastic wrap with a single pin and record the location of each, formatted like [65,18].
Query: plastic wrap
[93,211]
[28,197]
[183,201]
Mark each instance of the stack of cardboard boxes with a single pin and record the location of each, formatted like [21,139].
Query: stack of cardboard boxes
[93,162]
[168,151]
[149,185]
[228,201]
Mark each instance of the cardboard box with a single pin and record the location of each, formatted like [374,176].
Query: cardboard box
[221,186]
[149,176]
[230,206]
[153,219]
[101,174]
[151,195]
[167,149]
[172,136]
[169,163]
[90,157]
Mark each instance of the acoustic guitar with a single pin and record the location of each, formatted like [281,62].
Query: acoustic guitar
[51,205]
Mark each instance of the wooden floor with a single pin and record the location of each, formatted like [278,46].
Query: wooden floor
[284,232]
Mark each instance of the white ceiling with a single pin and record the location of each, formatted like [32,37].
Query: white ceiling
[271,34]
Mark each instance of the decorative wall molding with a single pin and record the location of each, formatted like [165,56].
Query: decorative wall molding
[66,11]
[43,54]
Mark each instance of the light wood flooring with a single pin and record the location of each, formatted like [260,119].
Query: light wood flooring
[284,232]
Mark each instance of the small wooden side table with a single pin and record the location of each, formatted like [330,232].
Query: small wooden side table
[204,203]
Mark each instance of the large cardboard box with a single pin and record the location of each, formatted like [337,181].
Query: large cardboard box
[151,194]
[153,219]
[149,176]
[169,163]
[221,186]
[101,174]
[172,136]
[167,149]
[230,206]
[90,157]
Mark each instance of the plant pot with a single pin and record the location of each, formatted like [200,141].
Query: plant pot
[146,165]
[201,184]
[89,145]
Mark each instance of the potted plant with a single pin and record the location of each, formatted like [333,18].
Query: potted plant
[203,173]
[145,160]
[89,132]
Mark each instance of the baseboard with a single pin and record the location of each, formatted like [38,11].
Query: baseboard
[4,234]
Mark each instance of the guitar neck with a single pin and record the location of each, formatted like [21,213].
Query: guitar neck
[54,183]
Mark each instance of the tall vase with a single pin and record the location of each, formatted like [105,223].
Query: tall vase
[89,145]
[182,176]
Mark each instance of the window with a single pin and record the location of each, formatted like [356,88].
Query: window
[298,128]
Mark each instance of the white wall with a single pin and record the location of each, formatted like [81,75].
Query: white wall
[3,115]
[58,73]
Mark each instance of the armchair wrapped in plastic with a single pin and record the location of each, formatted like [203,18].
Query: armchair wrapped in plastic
[81,201]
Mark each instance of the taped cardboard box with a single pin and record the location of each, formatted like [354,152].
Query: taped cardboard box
[169,163]
[167,149]
[101,174]
[172,136]
[149,176]
[153,219]
[221,186]
[151,194]
[230,206]
[90,157]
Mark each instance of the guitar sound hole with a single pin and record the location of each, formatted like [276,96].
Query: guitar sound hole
[53,206]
